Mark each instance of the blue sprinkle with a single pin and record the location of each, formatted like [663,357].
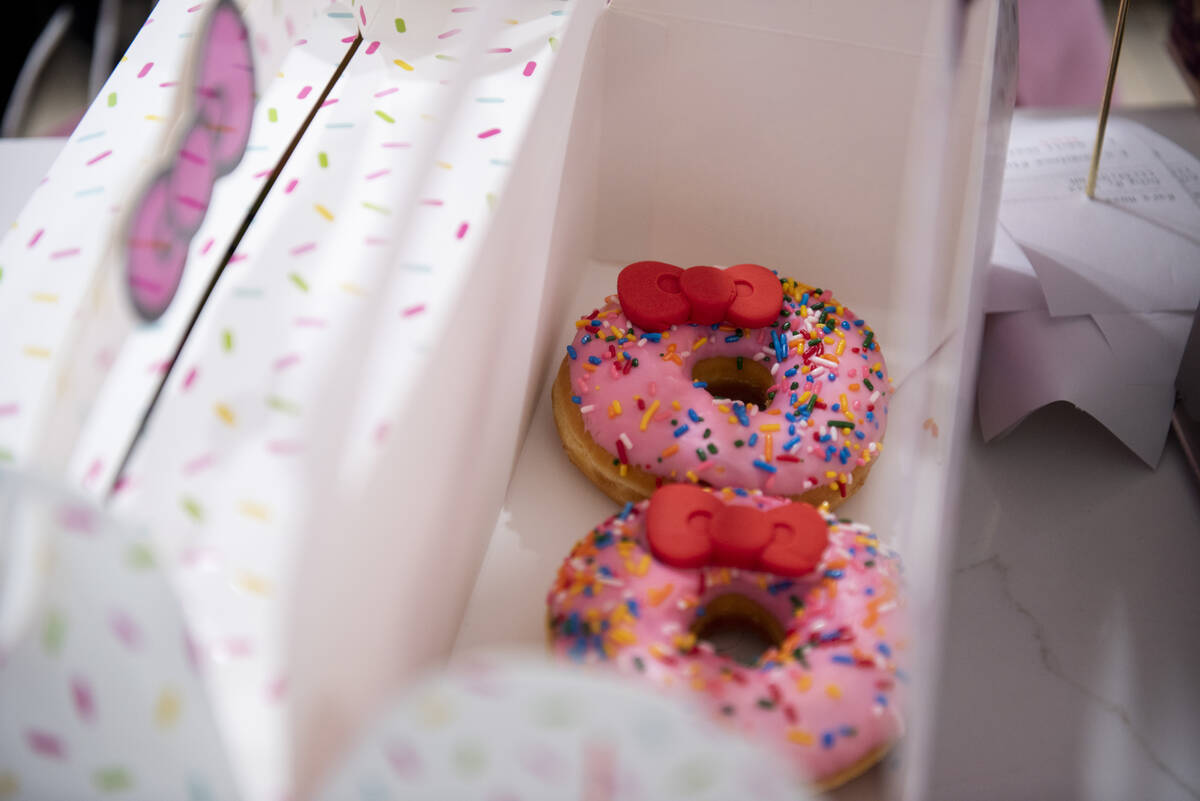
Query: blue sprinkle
[598,644]
[741,492]
[739,410]
[869,591]
[884,649]
[653,337]
[845,325]
[679,432]
[699,611]
[827,740]
[594,360]
[579,650]
[625,512]
[695,418]
[843,659]
[859,323]
[837,407]
[791,443]
[603,539]
[605,571]
[586,338]
[902,675]
[830,450]
[780,586]
[571,352]
[834,574]
[859,435]
[761,465]
[753,439]
[576,399]
[791,372]
[791,418]
[625,353]
[571,626]
[846,731]
[844,455]
[791,431]
[632,606]
[804,299]
[881,699]
[699,384]
[732,338]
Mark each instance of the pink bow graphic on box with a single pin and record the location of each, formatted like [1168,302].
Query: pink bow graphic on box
[172,208]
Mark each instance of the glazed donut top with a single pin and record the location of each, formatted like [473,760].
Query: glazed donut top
[825,389]
[829,691]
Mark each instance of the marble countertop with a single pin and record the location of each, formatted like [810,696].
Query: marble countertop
[1072,667]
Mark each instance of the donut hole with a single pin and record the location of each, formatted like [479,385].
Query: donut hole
[736,379]
[738,628]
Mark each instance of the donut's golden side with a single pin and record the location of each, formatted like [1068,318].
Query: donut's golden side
[637,485]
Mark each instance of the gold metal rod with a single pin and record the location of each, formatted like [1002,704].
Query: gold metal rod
[1118,34]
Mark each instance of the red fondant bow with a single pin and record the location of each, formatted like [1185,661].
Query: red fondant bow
[688,527]
[655,295]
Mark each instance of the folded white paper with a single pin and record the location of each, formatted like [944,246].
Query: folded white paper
[1094,299]
[1135,248]
[1031,359]
[1011,283]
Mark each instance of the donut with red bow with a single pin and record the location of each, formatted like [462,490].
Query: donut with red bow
[722,377]
[644,591]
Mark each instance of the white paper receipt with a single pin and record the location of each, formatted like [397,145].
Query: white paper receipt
[1049,159]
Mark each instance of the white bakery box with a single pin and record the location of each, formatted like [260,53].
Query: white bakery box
[336,442]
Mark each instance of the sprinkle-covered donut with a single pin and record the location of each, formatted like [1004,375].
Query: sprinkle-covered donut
[642,590]
[727,378]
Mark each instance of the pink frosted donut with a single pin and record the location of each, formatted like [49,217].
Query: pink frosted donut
[828,693]
[795,406]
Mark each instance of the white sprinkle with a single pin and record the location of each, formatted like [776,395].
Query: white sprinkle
[820,371]
[641,342]
[625,441]
[825,362]
[874,397]
[775,368]
[591,407]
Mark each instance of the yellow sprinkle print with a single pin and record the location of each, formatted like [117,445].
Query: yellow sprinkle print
[255,510]
[324,212]
[445,165]
[225,413]
[254,584]
[36,352]
[404,65]
[166,711]
[45,297]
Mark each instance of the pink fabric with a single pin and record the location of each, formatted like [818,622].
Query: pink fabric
[1064,46]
